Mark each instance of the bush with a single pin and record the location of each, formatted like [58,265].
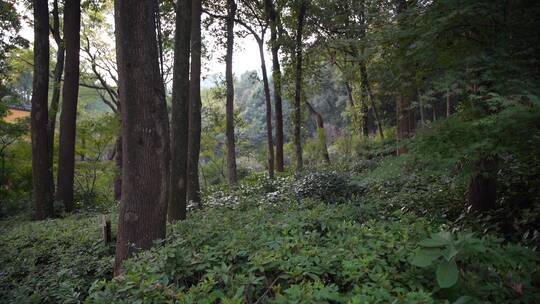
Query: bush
[326,186]
[312,252]
[52,261]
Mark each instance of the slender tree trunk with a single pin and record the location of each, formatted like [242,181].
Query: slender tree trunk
[118,162]
[231,149]
[269,138]
[352,104]
[482,193]
[421,102]
[276,77]
[298,88]
[145,130]
[448,105]
[180,112]
[364,75]
[68,117]
[55,100]
[194,142]
[319,123]
[41,167]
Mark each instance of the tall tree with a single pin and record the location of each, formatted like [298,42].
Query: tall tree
[70,92]
[231,150]
[145,130]
[276,78]
[58,71]
[194,138]
[41,166]
[180,112]
[298,86]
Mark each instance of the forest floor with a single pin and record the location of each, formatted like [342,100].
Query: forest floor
[381,229]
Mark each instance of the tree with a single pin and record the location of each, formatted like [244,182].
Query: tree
[298,86]
[145,130]
[57,85]
[273,17]
[180,112]
[231,150]
[194,138]
[41,166]
[70,92]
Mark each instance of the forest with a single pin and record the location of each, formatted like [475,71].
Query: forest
[270,151]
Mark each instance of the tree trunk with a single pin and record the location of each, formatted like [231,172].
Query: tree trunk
[118,176]
[231,149]
[276,77]
[55,100]
[145,130]
[41,167]
[180,112]
[269,138]
[448,105]
[482,194]
[365,78]
[68,117]
[319,123]
[194,141]
[421,103]
[352,104]
[298,88]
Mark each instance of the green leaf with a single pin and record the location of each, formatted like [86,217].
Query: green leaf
[424,257]
[447,274]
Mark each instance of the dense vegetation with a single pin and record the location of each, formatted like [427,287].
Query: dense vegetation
[388,153]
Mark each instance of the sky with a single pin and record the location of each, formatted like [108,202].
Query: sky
[245,57]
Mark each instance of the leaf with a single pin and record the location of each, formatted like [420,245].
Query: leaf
[424,257]
[447,274]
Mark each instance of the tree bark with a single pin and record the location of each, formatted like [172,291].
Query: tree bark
[298,88]
[180,112]
[145,130]
[55,100]
[276,77]
[118,162]
[365,78]
[269,138]
[482,193]
[68,117]
[231,149]
[448,105]
[194,141]
[41,167]
[319,123]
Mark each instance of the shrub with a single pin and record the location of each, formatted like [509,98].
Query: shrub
[52,261]
[312,252]
[326,186]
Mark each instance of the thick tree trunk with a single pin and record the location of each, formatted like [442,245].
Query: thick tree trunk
[482,194]
[145,130]
[298,89]
[321,134]
[276,77]
[55,100]
[231,149]
[194,142]
[269,138]
[68,117]
[41,167]
[180,112]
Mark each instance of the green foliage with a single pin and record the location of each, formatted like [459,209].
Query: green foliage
[53,261]
[326,186]
[444,250]
[311,252]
